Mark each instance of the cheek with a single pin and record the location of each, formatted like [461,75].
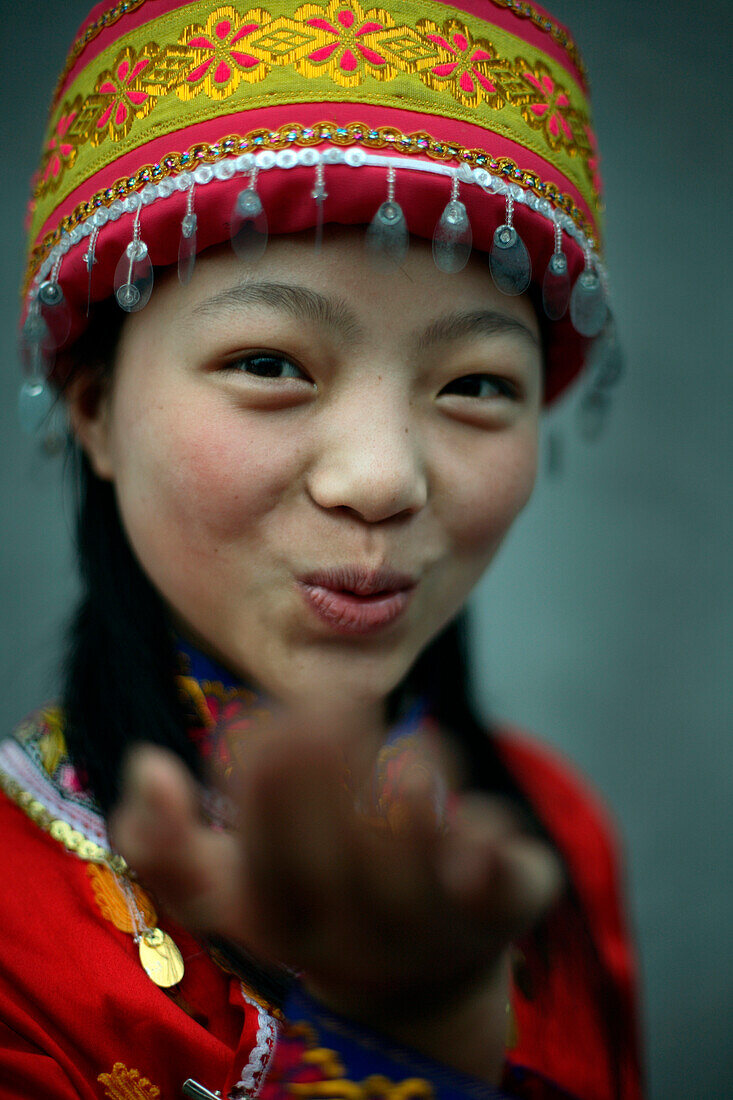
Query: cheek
[490,487]
[192,480]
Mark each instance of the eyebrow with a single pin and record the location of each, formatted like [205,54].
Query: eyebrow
[301,302]
[305,304]
[462,325]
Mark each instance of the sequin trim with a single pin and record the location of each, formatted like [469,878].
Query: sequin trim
[117,199]
[68,821]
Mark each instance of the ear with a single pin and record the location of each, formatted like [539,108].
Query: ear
[88,400]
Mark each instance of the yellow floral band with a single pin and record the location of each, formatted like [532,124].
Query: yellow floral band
[201,62]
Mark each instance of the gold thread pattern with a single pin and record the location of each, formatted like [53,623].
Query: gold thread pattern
[122,94]
[127,1084]
[356,133]
[520,8]
[221,54]
[547,107]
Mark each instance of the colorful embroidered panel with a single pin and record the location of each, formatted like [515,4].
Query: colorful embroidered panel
[202,62]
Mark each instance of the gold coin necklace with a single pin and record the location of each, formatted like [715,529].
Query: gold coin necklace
[160,958]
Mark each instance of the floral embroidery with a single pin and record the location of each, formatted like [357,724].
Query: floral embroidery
[122,95]
[467,66]
[61,149]
[109,17]
[112,903]
[305,1070]
[221,53]
[127,1084]
[548,108]
[106,19]
[347,45]
[221,718]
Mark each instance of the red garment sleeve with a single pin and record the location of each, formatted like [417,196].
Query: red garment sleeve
[586,837]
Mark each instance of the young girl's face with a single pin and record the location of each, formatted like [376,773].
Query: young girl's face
[315,462]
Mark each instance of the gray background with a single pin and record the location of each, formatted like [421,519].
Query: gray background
[602,627]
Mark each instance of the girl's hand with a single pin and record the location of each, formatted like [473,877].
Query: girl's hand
[405,928]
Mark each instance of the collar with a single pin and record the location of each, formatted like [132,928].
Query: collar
[37,773]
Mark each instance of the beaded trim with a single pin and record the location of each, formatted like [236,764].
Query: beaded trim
[175,172]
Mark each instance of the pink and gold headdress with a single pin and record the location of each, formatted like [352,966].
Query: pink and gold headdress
[177,126]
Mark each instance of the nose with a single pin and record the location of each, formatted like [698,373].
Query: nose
[370,463]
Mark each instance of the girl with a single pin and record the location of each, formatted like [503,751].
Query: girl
[300,445]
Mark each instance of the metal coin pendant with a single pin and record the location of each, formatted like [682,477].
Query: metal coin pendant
[161,959]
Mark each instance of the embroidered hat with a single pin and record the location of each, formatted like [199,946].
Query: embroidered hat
[177,126]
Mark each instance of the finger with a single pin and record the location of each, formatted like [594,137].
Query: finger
[157,827]
[497,872]
[295,822]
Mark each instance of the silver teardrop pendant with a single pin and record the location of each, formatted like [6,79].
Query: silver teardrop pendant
[452,239]
[134,277]
[509,262]
[187,248]
[556,286]
[249,225]
[35,403]
[588,309]
[387,238]
[55,312]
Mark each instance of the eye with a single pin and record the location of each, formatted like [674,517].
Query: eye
[482,386]
[266,364]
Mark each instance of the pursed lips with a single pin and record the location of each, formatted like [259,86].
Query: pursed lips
[353,599]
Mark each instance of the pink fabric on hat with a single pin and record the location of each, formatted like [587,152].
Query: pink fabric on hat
[443,129]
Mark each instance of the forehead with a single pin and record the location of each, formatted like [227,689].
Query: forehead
[336,287]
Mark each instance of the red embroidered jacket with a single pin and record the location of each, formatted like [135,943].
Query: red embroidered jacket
[80,1019]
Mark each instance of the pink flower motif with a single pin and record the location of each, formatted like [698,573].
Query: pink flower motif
[220,54]
[122,95]
[345,51]
[466,70]
[230,722]
[547,111]
[594,160]
[60,154]
[69,779]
